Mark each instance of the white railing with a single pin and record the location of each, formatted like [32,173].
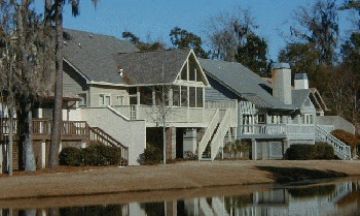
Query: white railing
[342,150]
[218,139]
[300,131]
[208,134]
[263,129]
[231,105]
[173,114]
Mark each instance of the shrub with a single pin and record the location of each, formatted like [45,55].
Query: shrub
[300,152]
[323,151]
[70,156]
[233,149]
[152,155]
[100,155]
[310,152]
[188,155]
[94,155]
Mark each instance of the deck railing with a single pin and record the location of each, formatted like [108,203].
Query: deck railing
[152,114]
[291,131]
[41,129]
[263,129]
[342,150]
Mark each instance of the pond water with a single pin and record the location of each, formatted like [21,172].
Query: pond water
[337,197]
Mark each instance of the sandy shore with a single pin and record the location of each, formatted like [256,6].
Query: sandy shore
[181,175]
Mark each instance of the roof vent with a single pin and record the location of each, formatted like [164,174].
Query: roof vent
[121,72]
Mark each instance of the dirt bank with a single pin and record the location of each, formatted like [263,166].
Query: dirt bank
[183,175]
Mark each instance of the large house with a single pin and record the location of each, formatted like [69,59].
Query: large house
[120,96]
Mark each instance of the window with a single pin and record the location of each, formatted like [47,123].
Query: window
[276,119]
[146,95]
[184,96]
[308,119]
[261,119]
[105,100]
[82,101]
[199,97]
[176,96]
[192,94]
[119,100]
[184,72]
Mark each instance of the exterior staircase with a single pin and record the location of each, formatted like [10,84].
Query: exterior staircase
[99,136]
[341,150]
[214,135]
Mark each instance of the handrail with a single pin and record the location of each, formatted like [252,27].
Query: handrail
[342,150]
[43,127]
[106,139]
[208,133]
[220,134]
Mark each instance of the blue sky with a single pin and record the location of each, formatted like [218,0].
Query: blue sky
[157,17]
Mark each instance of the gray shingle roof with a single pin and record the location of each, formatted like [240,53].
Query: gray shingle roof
[152,67]
[91,54]
[299,96]
[244,82]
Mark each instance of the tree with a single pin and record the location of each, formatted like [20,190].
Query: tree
[55,16]
[22,70]
[233,38]
[181,38]
[351,66]
[252,53]
[318,26]
[143,46]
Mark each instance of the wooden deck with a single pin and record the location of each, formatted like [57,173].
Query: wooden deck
[71,130]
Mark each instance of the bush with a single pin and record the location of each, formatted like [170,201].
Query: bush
[310,152]
[237,149]
[70,156]
[324,151]
[100,155]
[300,152]
[94,155]
[188,155]
[152,155]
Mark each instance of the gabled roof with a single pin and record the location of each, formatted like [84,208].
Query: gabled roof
[91,55]
[158,67]
[299,96]
[243,82]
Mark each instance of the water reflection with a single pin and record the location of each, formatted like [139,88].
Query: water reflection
[339,198]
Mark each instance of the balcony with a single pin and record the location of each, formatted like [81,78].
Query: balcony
[174,115]
[277,131]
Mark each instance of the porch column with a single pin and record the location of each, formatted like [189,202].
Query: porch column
[43,154]
[170,208]
[254,149]
[171,143]
[40,113]
[170,97]
[1,159]
[137,96]
[60,147]
[153,95]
